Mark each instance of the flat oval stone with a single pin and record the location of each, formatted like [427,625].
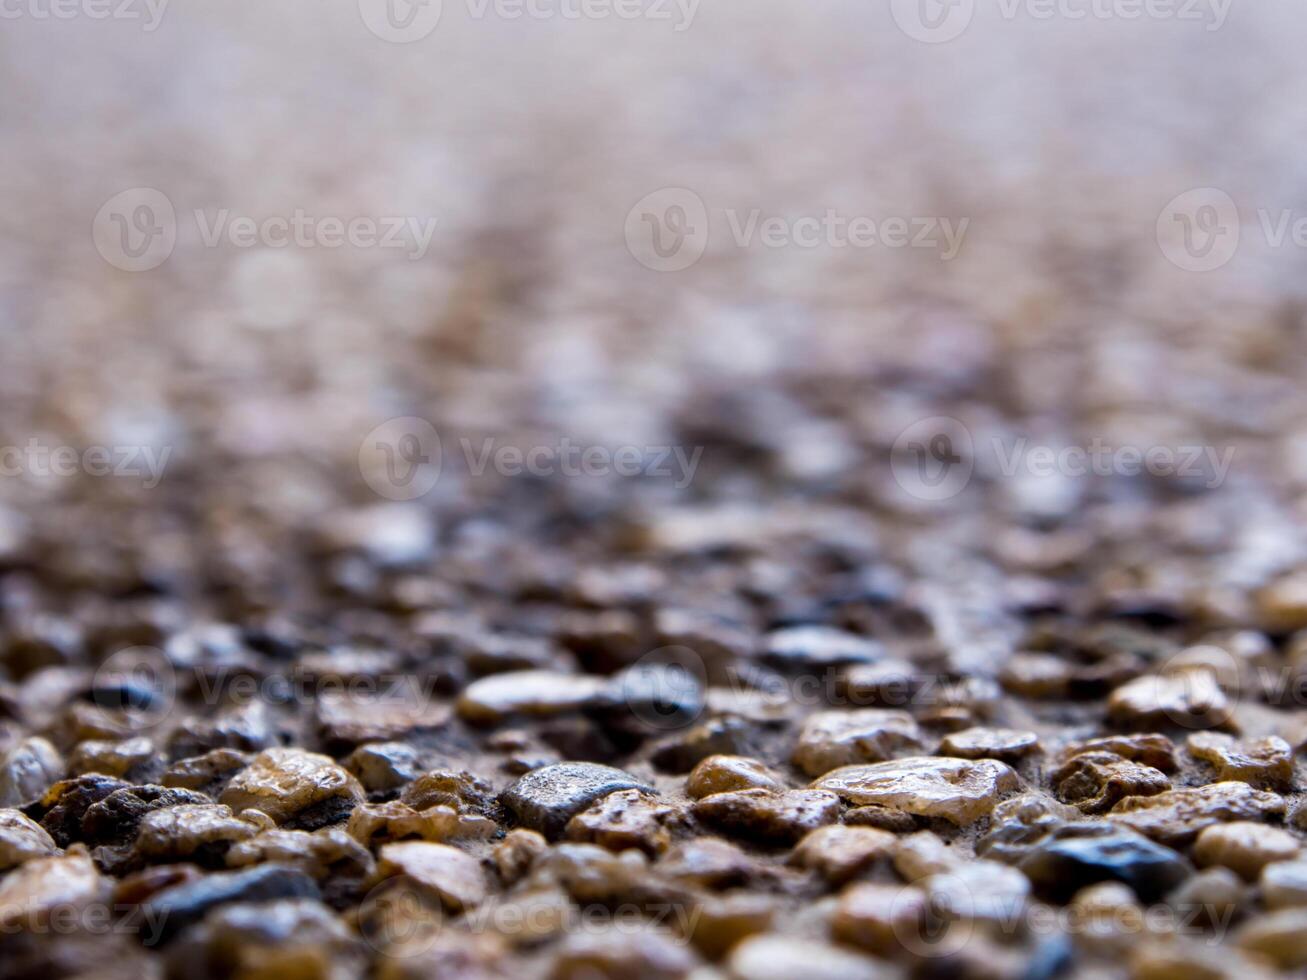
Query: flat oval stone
[830,739]
[961,791]
[454,876]
[768,815]
[546,799]
[726,773]
[536,693]
[1005,744]
[285,782]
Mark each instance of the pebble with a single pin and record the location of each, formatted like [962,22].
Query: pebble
[768,815]
[1005,744]
[725,773]
[830,739]
[321,853]
[889,683]
[183,905]
[1186,960]
[546,799]
[923,853]
[777,957]
[514,856]
[816,647]
[978,891]
[1096,781]
[839,853]
[68,881]
[29,769]
[66,802]
[201,833]
[881,918]
[1192,699]
[1213,896]
[708,862]
[207,773]
[531,693]
[1280,935]
[458,790]
[1150,749]
[370,823]
[625,819]
[383,766]
[1244,847]
[128,759]
[290,783]
[721,922]
[1178,815]
[1282,604]
[1284,884]
[958,790]
[1266,763]
[1060,866]
[622,953]
[717,736]
[115,819]
[1036,675]
[22,839]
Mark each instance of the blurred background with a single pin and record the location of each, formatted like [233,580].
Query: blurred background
[535,311]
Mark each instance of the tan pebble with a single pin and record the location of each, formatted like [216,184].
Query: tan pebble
[923,853]
[321,853]
[830,739]
[1096,781]
[1243,847]
[708,862]
[958,790]
[1284,884]
[284,782]
[27,770]
[725,773]
[618,955]
[516,853]
[453,875]
[1177,816]
[1193,699]
[69,881]
[838,853]
[768,815]
[625,819]
[181,832]
[1036,675]
[1280,935]
[883,919]
[1187,960]
[532,693]
[111,758]
[1266,763]
[882,818]
[776,957]
[1149,749]
[719,923]
[371,823]
[1212,896]
[22,839]
[1282,605]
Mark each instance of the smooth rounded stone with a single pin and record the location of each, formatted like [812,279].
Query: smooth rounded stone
[708,862]
[1036,675]
[29,769]
[533,693]
[726,773]
[1149,749]
[1192,699]
[383,766]
[66,802]
[720,922]
[1022,821]
[175,909]
[207,773]
[69,881]
[285,783]
[370,823]
[296,939]
[1060,866]
[726,735]
[1096,781]
[115,819]
[809,647]
[1108,919]
[961,791]
[514,856]
[768,815]
[127,759]
[830,739]
[1213,896]
[454,876]
[1244,847]
[776,957]
[1280,936]
[622,953]
[1282,604]
[1181,959]
[881,918]
[625,819]
[321,853]
[1004,744]
[1266,763]
[978,891]
[202,833]
[592,874]
[546,799]
[839,853]
[923,853]
[22,839]
[1284,884]
[1177,816]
